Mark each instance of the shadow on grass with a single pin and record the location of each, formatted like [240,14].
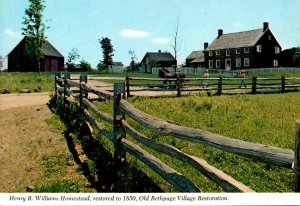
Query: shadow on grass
[104,175]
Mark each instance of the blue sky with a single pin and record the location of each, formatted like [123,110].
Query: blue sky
[148,25]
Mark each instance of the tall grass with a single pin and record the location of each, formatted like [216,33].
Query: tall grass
[33,81]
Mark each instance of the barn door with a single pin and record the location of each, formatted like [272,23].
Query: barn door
[54,65]
[47,65]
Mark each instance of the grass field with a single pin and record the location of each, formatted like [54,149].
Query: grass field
[267,119]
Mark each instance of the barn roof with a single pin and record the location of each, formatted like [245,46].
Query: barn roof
[48,48]
[236,40]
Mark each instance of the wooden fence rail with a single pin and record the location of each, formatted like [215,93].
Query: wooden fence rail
[220,85]
[259,152]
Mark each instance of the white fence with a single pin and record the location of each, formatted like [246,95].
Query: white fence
[231,73]
[185,70]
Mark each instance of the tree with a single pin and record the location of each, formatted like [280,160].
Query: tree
[34,31]
[134,64]
[296,57]
[1,63]
[107,51]
[176,45]
[73,56]
[85,66]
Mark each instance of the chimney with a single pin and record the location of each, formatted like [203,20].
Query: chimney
[159,51]
[220,32]
[266,26]
[205,45]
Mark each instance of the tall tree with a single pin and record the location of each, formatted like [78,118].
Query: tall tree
[107,51]
[34,31]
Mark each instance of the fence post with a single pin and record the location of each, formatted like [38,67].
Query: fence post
[57,75]
[282,84]
[119,133]
[254,82]
[55,83]
[127,86]
[83,92]
[220,82]
[66,86]
[178,81]
[297,157]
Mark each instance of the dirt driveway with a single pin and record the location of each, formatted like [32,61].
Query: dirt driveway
[33,152]
[8,101]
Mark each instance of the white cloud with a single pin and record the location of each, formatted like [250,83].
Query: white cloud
[132,33]
[11,33]
[161,40]
[238,24]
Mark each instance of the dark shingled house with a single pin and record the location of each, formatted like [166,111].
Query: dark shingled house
[157,59]
[17,61]
[243,50]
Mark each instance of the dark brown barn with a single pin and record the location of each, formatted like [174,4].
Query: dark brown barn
[243,50]
[17,61]
[157,59]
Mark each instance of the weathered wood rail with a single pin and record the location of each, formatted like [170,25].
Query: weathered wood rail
[66,87]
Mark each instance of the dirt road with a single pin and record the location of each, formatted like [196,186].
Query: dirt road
[33,151]
[8,101]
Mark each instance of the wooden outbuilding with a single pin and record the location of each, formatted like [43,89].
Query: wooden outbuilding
[157,59]
[18,62]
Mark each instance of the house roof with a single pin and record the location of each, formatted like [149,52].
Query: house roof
[196,56]
[48,48]
[160,56]
[236,40]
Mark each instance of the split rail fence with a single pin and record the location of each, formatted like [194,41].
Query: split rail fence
[219,85]
[78,89]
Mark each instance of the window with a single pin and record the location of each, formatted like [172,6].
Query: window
[211,64]
[246,62]
[275,63]
[258,48]
[238,51]
[210,53]
[269,37]
[238,62]
[246,50]
[218,64]
[227,52]
[218,52]
[277,50]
